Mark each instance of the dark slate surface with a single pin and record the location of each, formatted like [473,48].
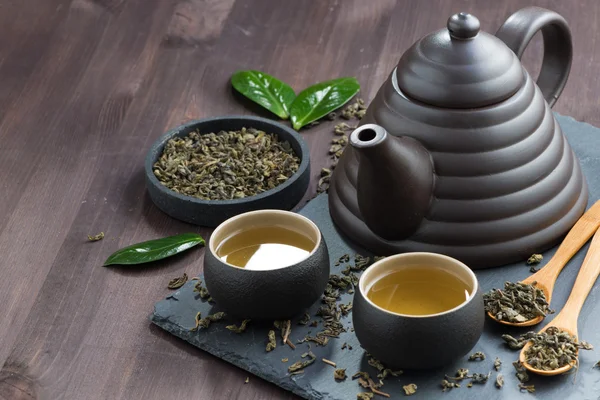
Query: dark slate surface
[176,315]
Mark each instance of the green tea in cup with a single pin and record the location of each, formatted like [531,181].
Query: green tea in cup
[419,290]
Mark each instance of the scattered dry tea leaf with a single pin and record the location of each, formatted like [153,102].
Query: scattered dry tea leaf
[319,340]
[176,283]
[585,345]
[383,371]
[329,362]
[410,389]
[377,391]
[339,374]
[201,290]
[343,259]
[499,381]
[535,259]
[361,262]
[197,322]
[286,331]
[461,374]
[345,309]
[529,388]
[205,322]
[364,396]
[272,343]
[355,110]
[447,385]
[323,183]
[97,237]
[521,372]
[365,381]
[514,343]
[239,329]
[360,374]
[300,365]
[247,380]
[284,360]
[305,319]
[479,378]
[478,356]
[497,364]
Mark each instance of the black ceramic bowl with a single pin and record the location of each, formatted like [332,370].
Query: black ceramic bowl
[211,213]
[266,294]
[417,342]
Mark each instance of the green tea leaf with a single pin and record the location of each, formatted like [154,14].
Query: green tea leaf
[319,100]
[269,92]
[153,250]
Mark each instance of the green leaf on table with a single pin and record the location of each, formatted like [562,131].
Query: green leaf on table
[319,100]
[269,92]
[153,250]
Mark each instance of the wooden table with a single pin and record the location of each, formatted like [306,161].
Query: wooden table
[87,85]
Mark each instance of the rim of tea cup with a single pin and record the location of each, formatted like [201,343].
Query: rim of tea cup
[260,218]
[378,270]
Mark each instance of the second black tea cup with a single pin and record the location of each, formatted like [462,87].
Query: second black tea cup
[403,341]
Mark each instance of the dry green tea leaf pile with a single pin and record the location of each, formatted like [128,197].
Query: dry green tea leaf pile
[517,302]
[225,165]
[549,350]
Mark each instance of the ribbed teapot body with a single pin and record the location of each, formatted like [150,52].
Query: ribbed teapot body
[507,183]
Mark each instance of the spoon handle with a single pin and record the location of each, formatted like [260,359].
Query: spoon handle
[581,232]
[590,269]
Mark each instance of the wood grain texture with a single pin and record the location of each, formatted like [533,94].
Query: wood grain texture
[87,85]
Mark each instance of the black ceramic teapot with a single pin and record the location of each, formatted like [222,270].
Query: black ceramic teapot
[459,152]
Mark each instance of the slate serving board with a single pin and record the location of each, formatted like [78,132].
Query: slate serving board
[177,312]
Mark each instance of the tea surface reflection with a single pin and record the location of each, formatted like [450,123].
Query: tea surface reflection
[265,248]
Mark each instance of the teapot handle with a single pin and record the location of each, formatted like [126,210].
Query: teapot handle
[519,29]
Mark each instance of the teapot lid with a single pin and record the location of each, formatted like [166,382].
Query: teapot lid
[460,67]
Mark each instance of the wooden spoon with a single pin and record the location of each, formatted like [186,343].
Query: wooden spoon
[566,319]
[581,232]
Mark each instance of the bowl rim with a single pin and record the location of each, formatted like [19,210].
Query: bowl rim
[394,257]
[264,211]
[158,145]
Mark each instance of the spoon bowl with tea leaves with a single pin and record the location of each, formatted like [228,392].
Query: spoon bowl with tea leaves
[562,332]
[544,279]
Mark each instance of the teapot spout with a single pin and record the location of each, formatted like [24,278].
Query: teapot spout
[395,181]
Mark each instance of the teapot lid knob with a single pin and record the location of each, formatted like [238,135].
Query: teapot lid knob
[463,26]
